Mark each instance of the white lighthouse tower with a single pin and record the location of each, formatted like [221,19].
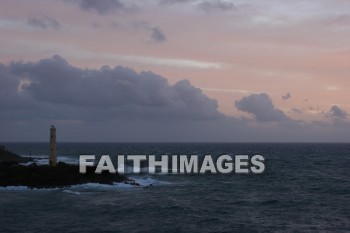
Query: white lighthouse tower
[53,153]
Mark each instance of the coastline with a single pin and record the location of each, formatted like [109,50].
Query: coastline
[12,173]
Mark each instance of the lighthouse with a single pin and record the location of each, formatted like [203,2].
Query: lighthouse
[53,153]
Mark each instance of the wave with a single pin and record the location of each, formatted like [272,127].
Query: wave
[44,159]
[147,181]
[71,192]
[142,181]
[77,189]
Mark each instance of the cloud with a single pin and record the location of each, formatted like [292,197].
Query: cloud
[337,112]
[102,7]
[215,5]
[98,94]
[205,5]
[44,22]
[157,35]
[169,62]
[296,110]
[120,104]
[229,91]
[174,1]
[96,25]
[286,96]
[261,106]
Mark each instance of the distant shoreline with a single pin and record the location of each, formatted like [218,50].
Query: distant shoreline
[8,156]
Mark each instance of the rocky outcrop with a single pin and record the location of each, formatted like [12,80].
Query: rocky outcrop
[14,174]
[44,176]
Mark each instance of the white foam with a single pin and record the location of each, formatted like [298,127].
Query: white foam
[101,187]
[68,159]
[75,189]
[71,192]
[44,160]
[26,164]
[142,181]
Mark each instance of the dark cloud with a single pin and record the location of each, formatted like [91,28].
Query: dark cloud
[157,35]
[261,106]
[44,22]
[120,104]
[286,96]
[53,84]
[101,6]
[337,112]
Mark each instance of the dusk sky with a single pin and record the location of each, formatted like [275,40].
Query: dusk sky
[175,70]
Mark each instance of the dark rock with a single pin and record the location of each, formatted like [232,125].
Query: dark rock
[13,174]
[44,176]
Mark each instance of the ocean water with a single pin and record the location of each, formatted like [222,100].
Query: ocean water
[305,188]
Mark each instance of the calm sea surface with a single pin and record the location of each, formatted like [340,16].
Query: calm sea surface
[306,188]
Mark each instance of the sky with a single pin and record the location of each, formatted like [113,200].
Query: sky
[175,70]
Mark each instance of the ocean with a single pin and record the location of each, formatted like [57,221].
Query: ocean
[305,188]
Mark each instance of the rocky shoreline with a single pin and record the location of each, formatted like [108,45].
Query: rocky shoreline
[12,173]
